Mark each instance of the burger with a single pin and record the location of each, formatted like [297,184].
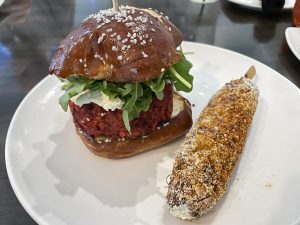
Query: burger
[121,73]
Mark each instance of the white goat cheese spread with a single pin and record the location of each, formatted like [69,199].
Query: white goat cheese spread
[99,98]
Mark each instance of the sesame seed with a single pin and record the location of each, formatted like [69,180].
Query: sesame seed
[134,41]
[166,124]
[162,70]
[144,54]
[152,29]
[170,29]
[80,60]
[143,42]
[133,70]
[124,40]
[120,57]
[118,37]
[114,48]
[128,24]
[85,65]
[100,39]
[109,30]
[143,19]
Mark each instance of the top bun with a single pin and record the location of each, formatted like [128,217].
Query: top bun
[130,45]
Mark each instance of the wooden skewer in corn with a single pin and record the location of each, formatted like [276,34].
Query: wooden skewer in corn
[211,149]
[115,5]
[250,73]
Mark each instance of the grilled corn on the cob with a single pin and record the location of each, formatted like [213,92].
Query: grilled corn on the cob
[211,150]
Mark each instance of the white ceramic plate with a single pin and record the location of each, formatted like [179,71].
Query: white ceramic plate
[292,35]
[256,4]
[1,2]
[58,181]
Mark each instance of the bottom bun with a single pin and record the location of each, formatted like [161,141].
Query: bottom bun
[115,149]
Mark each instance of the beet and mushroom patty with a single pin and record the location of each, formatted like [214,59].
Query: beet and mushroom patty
[95,121]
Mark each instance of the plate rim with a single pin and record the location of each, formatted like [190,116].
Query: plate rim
[11,178]
[35,216]
[288,40]
[254,7]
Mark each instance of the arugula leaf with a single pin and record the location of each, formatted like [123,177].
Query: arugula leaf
[63,101]
[126,89]
[180,75]
[131,102]
[143,104]
[126,119]
[67,85]
[73,90]
[157,85]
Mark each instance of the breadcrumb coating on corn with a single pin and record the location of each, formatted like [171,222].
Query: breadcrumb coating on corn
[211,150]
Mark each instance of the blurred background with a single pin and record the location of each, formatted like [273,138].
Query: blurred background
[30,30]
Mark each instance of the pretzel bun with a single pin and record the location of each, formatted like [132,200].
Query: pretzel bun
[115,149]
[132,45]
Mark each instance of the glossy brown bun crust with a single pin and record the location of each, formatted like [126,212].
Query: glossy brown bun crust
[132,45]
[115,149]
